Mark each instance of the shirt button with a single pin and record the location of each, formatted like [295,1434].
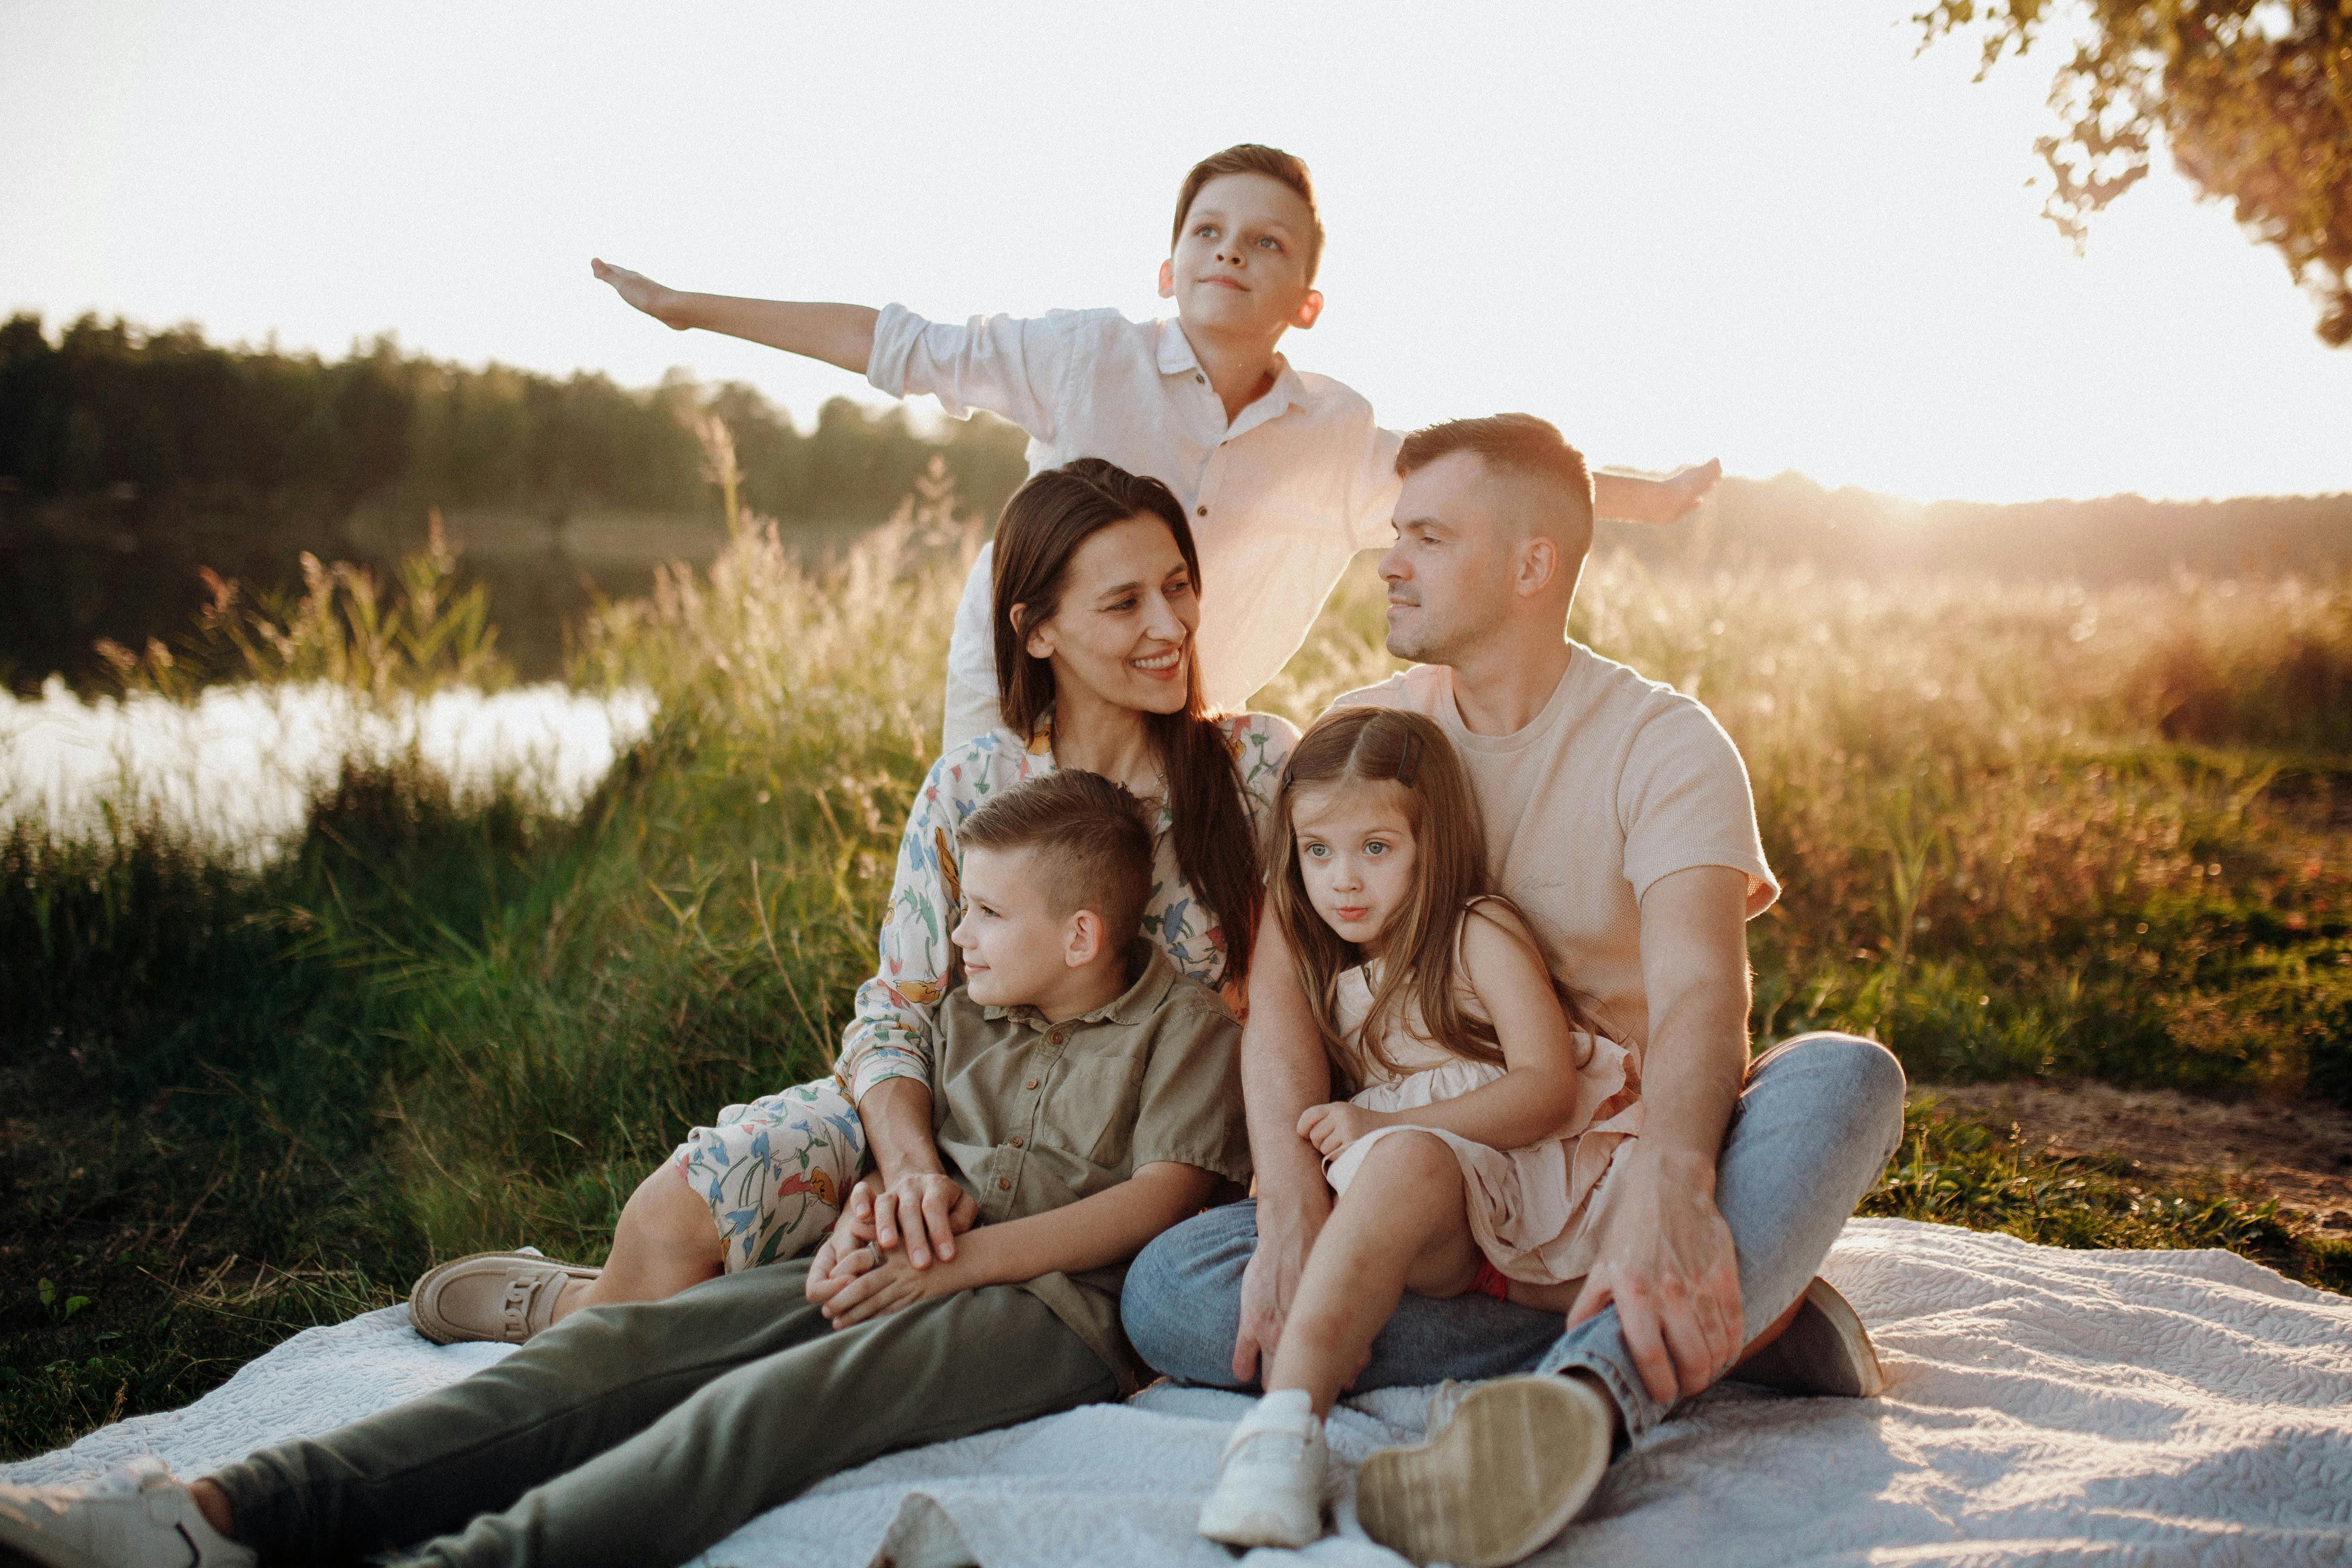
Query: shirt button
[1031,1084]
[1200,511]
[1057,1037]
[1199,377]
[1004,1183]
[1017,1140]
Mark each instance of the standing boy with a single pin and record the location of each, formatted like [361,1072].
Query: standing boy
[1285,475]
[1085,1096]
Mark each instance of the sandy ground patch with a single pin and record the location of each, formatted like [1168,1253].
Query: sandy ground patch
[2299,1152]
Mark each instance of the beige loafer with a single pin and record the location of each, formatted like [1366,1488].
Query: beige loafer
[1520,1459]
[501,1296]
[1823,1350]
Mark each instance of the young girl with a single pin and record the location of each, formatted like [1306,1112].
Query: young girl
[1485,1108]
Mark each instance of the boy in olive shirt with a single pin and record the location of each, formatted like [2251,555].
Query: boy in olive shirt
[1087,1096]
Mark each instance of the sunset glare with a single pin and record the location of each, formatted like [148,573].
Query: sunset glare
[1765,233]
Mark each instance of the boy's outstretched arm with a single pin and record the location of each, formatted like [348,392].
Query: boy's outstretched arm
[1109,1227]
[1635,497]
[837,335]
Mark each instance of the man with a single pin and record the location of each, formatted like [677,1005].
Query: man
[1618,817]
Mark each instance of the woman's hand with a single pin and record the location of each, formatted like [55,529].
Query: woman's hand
[839,1258]
[923,1210]
[1332,1127]
[884,1287]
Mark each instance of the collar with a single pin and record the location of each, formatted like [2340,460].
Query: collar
[1156,975]
[1175,357]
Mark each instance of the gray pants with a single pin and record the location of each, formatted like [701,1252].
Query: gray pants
[638,1436]
[1819,1118]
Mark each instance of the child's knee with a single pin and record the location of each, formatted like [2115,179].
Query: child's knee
[1411,1157]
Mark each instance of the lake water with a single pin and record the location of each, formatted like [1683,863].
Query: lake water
[235,768]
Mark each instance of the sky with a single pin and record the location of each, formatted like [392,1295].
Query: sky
[1767,234]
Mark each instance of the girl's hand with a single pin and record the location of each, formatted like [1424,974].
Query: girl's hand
[1332,1127]
[839,1258]
[885,1287]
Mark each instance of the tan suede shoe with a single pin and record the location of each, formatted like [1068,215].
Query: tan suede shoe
[501,1296]
[1823,1350]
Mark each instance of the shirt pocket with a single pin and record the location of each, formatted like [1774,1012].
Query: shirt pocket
[1095,1107]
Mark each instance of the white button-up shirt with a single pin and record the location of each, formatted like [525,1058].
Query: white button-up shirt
[1278,499]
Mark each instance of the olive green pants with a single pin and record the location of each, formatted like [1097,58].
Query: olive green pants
[638,1436]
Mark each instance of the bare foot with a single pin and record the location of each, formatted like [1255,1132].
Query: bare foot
[213,1503]
[660,303]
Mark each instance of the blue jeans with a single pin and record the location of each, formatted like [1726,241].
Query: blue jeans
[1821,1116]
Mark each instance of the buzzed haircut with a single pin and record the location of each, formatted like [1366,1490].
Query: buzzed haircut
[1092,837]
[1527,448]
[1250,158]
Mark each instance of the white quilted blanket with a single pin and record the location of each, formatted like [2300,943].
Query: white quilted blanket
[2043,1406]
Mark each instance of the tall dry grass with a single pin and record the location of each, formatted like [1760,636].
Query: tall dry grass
[2023,831]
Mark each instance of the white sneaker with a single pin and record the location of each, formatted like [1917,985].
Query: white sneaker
[1518,1459]
[134,1517]
[1269,1489]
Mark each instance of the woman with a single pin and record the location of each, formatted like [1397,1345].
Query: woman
[1095,605]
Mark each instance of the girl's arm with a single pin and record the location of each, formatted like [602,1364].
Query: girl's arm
[837,335]
[1535,1095]
[1109,1227]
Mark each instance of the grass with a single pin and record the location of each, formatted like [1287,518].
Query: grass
[2026,833]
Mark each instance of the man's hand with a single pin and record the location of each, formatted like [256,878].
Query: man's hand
[660,303]
[1332,1127]
[922,1210]
[885,1287]
[1268,1284]
[1666,1263]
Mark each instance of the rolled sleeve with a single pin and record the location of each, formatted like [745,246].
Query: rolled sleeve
[1010,366]
[1190,1112]
[895,1027]
[1684,800]
[1372,492]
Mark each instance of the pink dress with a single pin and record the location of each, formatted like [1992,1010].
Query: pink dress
[1531,1209]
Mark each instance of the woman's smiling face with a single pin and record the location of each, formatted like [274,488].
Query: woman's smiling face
[1123,631]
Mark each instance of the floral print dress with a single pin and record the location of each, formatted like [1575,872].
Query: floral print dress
[774,1171]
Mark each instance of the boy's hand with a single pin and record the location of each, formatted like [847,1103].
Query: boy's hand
[1332,1127]
[924,1211]
[641,291]
[883,1288]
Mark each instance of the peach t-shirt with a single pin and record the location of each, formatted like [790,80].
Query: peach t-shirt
[1618,781]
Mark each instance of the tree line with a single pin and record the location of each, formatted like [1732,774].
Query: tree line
[105,409]
[131,457]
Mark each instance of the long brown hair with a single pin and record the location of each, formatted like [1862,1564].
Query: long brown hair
[1040,528]
[1388,747]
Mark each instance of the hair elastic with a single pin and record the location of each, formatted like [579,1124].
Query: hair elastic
[1408,766]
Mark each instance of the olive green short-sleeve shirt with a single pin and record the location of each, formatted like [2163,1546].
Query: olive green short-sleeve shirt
[1031,1115]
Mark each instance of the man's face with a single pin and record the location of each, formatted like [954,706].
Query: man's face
[1014,934]
[1240,265]
[1449,572]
